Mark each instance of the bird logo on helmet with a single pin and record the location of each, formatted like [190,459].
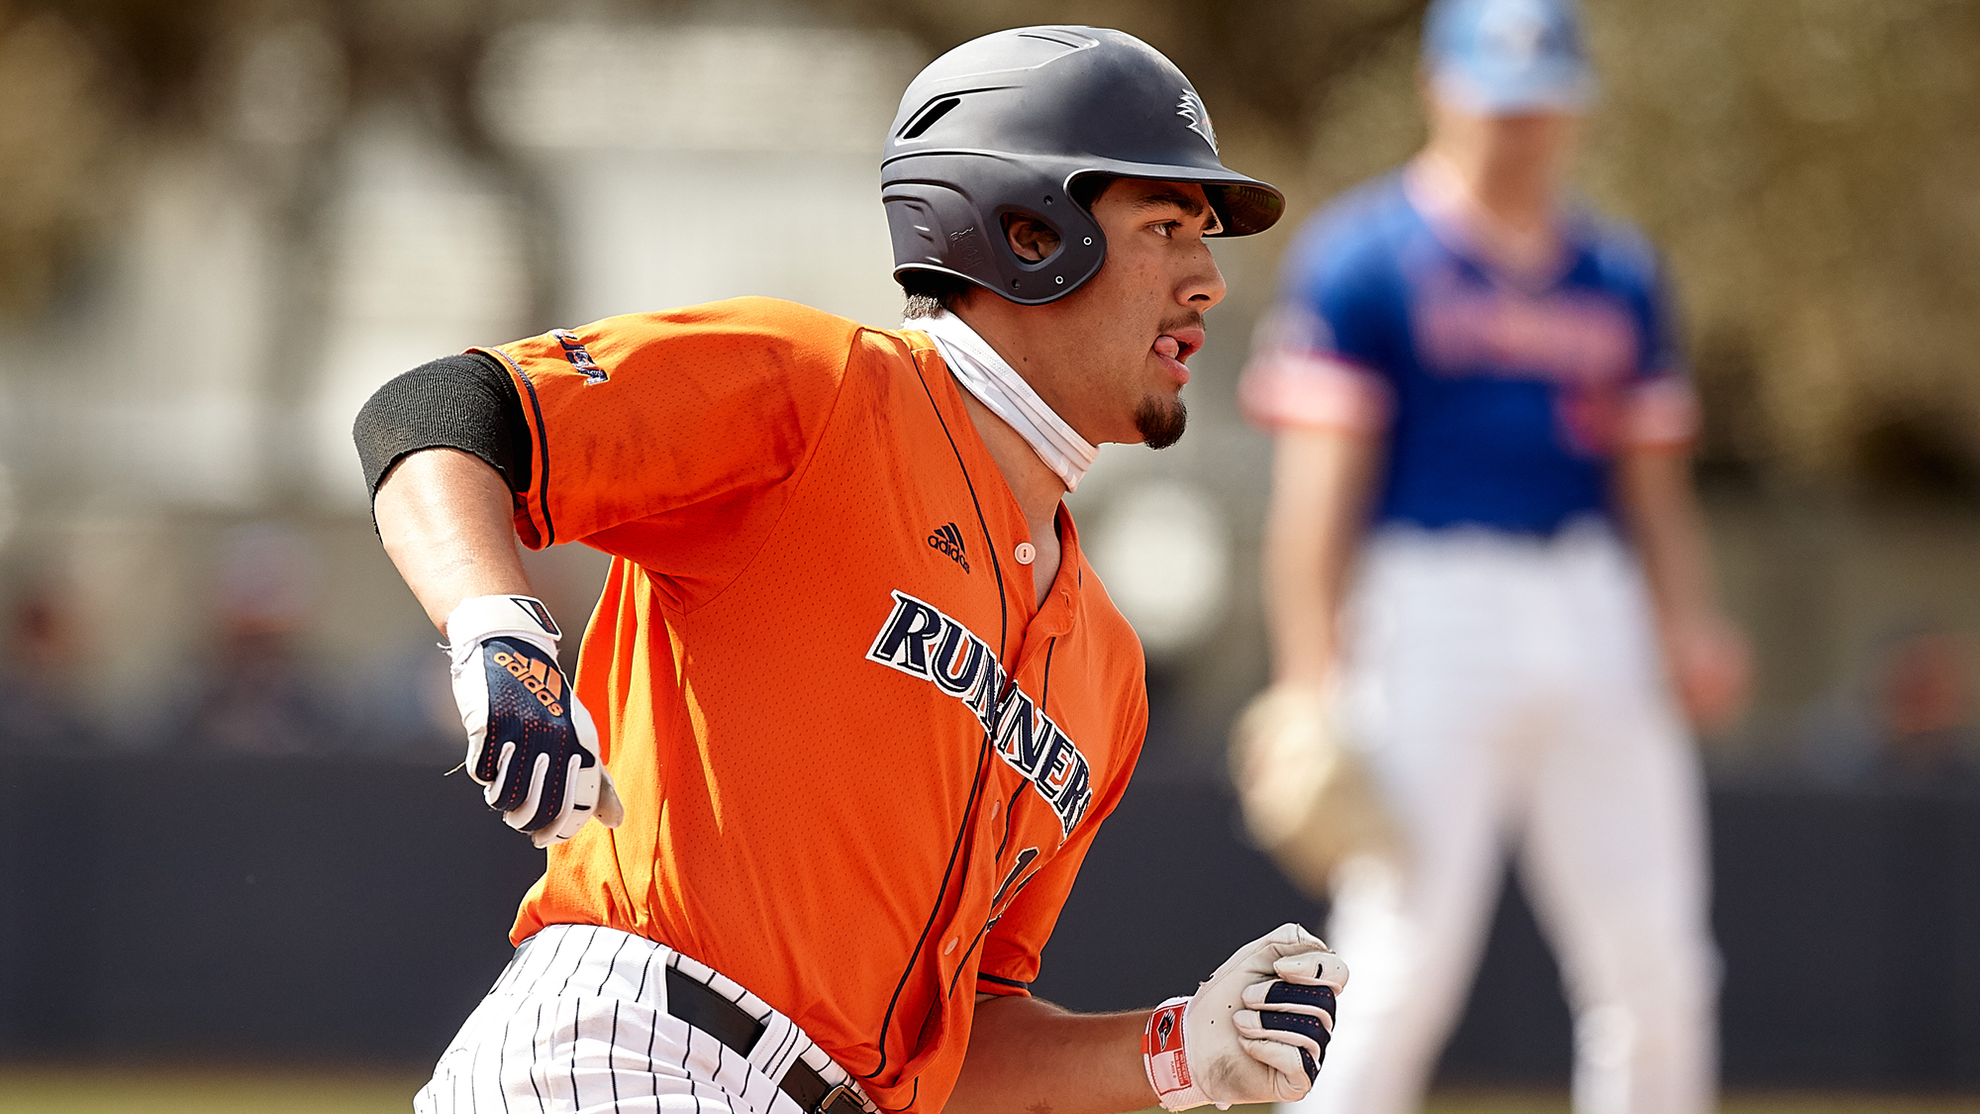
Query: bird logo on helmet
[1192,108]
[1006,124]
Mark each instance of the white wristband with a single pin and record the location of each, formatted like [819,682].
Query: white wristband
[484,617]
[1166,1060]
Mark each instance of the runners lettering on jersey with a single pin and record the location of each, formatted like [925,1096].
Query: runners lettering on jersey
[919,640]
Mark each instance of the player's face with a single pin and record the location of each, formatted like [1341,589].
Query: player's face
[1121,341]
[1528,148]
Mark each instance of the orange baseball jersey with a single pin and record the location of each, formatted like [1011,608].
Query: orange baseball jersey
[860,764]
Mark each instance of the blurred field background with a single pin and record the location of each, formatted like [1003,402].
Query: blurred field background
[224,222]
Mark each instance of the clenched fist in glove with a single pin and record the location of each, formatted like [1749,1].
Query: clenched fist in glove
[531,745]
[1254,1032]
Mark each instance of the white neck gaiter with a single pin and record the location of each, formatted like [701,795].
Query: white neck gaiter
[986,375]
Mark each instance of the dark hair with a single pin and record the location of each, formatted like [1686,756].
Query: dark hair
[931,292]
[1087,188]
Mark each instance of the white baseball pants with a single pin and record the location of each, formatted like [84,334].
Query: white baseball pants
[1508,694]
[578,1024]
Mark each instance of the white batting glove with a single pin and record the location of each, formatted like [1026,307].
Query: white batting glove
[1256,1031]
[531,745]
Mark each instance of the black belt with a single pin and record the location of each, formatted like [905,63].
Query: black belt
[703,1007]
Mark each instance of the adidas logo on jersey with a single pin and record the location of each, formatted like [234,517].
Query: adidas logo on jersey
[949,540]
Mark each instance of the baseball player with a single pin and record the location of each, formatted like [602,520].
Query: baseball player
[853,703]
[1482,420]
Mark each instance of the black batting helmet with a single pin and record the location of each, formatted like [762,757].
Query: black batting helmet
[1002,125]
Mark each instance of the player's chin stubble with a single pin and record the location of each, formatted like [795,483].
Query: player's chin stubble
[1160,421]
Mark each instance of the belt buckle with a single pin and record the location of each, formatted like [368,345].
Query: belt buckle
[842,1093]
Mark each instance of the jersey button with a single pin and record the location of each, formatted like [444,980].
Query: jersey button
[953,941]
[1026,553]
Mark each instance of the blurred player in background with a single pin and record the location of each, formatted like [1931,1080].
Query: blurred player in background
[862,700]
[1485,567]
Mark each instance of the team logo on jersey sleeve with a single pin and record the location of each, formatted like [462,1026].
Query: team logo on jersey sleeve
[580,358]
[919,640]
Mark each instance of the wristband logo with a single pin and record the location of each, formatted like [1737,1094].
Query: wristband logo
[534,609]
[919,640]
[543,682]
[1163,1055]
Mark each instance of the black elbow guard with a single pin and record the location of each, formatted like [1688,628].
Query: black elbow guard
[465,402]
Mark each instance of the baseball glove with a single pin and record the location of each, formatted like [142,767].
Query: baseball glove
[1308,801]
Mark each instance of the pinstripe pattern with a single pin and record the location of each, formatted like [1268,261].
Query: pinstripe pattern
[578,1024]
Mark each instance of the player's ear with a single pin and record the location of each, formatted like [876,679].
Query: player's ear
[1031,239]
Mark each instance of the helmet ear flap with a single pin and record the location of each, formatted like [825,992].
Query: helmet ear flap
[1082,248]
[935,228]
[938,227]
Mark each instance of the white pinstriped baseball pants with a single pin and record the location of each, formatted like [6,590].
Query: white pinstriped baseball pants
[1508,694]
[578,1024]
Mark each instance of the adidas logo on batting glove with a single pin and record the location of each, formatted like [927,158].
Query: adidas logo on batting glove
[531,745]
[1256,1030]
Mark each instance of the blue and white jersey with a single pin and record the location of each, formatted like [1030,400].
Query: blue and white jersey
[1505,385]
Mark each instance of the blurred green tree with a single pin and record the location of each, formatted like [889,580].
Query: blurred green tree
[1810,167]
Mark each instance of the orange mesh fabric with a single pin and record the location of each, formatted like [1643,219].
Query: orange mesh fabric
[860,767]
